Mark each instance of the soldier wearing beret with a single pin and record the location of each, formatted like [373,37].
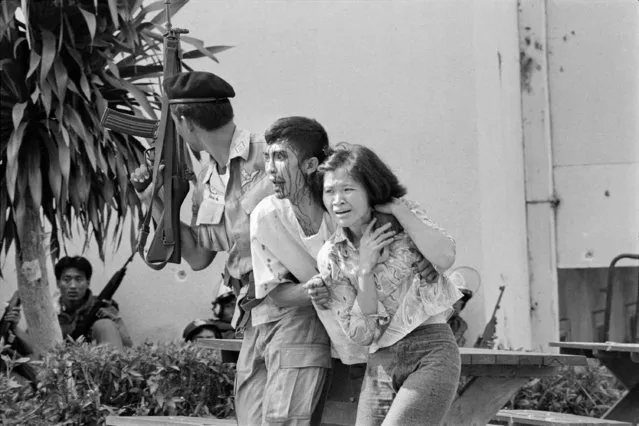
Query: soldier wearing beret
[227,188]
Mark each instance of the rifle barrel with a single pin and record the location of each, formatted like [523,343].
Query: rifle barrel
[167,9]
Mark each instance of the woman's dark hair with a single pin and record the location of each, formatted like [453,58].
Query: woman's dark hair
[77,262]
[380,183]
[208,115]
[308,138]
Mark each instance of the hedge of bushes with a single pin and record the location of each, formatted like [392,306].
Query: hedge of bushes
[81,384]
[588,391]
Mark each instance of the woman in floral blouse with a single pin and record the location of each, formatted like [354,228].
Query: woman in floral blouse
[378,297]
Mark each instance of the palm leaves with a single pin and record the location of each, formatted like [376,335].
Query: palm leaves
[63,62]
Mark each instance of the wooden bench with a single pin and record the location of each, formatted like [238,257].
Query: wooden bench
[545,418]
[494,376]
[167,421]
[622,359]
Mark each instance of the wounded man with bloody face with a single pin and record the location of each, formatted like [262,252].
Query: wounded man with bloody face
[285,358]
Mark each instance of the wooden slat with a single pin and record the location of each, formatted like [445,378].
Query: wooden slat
[526,371]
[546,418]
[469,356]
[479,356]
[223,344]
[594,346]
[627,408]
[502,359]
[479,402]
[167,421]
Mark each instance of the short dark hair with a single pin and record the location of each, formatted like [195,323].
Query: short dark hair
[308,138]
[380,183]
[78,262]
[208,115]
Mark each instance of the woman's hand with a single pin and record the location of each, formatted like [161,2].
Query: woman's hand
[318,292]
[371,245]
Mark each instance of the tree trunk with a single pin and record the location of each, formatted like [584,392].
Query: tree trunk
[33,284]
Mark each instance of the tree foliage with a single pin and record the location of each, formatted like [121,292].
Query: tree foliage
[63,62]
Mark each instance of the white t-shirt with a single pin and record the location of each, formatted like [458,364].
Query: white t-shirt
[279,248]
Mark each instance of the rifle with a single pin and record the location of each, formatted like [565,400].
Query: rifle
[6,326]
[170,151]
[485,340]
[105,295]
[19,347]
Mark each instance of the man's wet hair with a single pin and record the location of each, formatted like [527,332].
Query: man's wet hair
[363,165]
[78,262]
[307,138]
[209,116]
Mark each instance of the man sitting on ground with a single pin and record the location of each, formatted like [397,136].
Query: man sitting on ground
[73,276]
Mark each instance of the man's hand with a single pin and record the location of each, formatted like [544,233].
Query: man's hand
[390,207]
[13,316]
[427,270]
[141,179]
[108,311]
[318,292]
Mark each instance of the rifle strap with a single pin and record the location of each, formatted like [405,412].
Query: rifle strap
[145,228]
[172,157]
[166,142]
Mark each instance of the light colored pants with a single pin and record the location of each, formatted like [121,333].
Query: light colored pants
[281,370]
[412,382]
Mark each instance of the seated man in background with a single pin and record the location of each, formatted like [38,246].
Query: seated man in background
[73,276]
[218,327]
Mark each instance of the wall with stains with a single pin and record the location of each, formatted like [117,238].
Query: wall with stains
[593,74]
[593,69]
[397,76]
[436,88]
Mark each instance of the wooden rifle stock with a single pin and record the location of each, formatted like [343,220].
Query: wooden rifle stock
[170,151]
[6,326]
[487,336]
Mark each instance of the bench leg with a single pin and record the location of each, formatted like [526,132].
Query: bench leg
[626,371]
[626,409]
[482,399]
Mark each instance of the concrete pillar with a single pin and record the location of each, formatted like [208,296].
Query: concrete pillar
[501,170]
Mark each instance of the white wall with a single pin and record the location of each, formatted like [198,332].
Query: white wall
[407,79]
[594,92]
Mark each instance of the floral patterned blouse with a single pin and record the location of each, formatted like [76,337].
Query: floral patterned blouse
[405,299]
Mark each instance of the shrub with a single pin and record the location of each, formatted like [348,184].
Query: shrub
[587,391]
[81,384]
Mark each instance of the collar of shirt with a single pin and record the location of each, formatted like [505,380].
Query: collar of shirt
[341,238]
[88,300]
[240,147]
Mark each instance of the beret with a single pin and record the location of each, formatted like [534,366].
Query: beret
[197,86]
